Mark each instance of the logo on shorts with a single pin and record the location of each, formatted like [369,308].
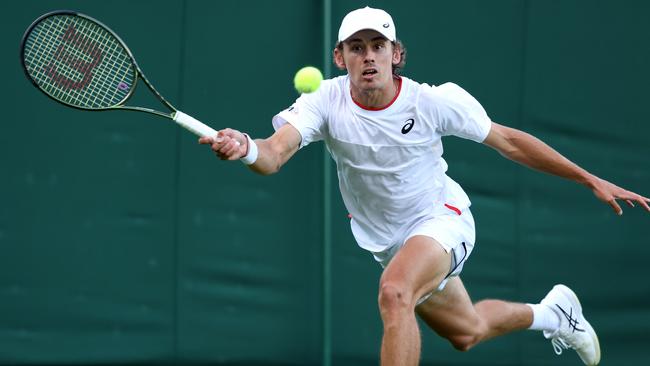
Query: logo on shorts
[408,126]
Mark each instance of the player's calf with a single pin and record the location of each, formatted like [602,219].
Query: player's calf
[465,341]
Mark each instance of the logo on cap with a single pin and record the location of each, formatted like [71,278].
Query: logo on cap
[386,25]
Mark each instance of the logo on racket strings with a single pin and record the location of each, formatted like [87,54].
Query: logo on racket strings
[65,56]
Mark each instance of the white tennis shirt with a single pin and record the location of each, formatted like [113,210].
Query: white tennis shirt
[389,161]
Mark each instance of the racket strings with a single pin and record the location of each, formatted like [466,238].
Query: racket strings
[115,66]
[78,62]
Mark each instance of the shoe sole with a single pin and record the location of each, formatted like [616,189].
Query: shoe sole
[571,295]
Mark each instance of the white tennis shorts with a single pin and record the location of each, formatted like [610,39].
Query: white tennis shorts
[455,232]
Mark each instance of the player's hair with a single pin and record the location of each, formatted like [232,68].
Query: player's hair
[397,68]
[402,60]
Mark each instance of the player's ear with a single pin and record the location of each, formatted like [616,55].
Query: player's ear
[339,61]
[397,53]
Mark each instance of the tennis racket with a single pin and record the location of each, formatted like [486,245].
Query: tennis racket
[78,61]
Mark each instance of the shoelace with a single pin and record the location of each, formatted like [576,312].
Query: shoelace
[559,344]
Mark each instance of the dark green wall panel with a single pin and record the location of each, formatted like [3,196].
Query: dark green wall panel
[586,82]
[87,216]
[249,246]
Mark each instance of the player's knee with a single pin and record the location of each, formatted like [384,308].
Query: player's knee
[393,297]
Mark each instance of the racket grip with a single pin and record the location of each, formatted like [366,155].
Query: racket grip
[194,125]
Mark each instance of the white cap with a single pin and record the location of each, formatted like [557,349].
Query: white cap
[367,18]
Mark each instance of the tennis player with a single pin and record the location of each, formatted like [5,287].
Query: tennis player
[384,133]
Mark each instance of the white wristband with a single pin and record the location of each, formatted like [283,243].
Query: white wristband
[251,156]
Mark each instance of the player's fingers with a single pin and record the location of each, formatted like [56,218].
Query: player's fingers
[644,202]
[221,149]
[223,144]
[234,134]
[220,136]
[615,206]
[205,140]
[235,152]
[216,146]
[229,132]
[229,148]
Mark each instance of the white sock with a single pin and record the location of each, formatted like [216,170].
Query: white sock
[544,318]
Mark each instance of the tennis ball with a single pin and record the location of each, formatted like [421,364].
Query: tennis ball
[307,79]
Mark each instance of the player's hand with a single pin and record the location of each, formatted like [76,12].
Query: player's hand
[609,193]
[229,144]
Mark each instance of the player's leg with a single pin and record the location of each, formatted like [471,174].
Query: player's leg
[417,269]
[451,314]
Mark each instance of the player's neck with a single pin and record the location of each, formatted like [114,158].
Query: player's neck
[376,98]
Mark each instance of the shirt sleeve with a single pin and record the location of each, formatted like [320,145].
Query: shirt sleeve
[460,114]
[307,115]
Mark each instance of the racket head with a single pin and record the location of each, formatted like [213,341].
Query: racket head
[78,61]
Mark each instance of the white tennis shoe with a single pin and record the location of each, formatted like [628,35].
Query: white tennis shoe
[574,331]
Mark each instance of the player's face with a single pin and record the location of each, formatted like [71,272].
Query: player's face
[368,56]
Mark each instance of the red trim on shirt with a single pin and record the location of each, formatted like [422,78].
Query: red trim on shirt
[456,210]
[399,88]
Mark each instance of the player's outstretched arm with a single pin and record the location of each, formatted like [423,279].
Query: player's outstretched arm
[273,152]
[528,150]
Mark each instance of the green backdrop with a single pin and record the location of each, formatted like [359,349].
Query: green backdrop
[123,241]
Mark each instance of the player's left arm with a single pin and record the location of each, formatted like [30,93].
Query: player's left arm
[528,150]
